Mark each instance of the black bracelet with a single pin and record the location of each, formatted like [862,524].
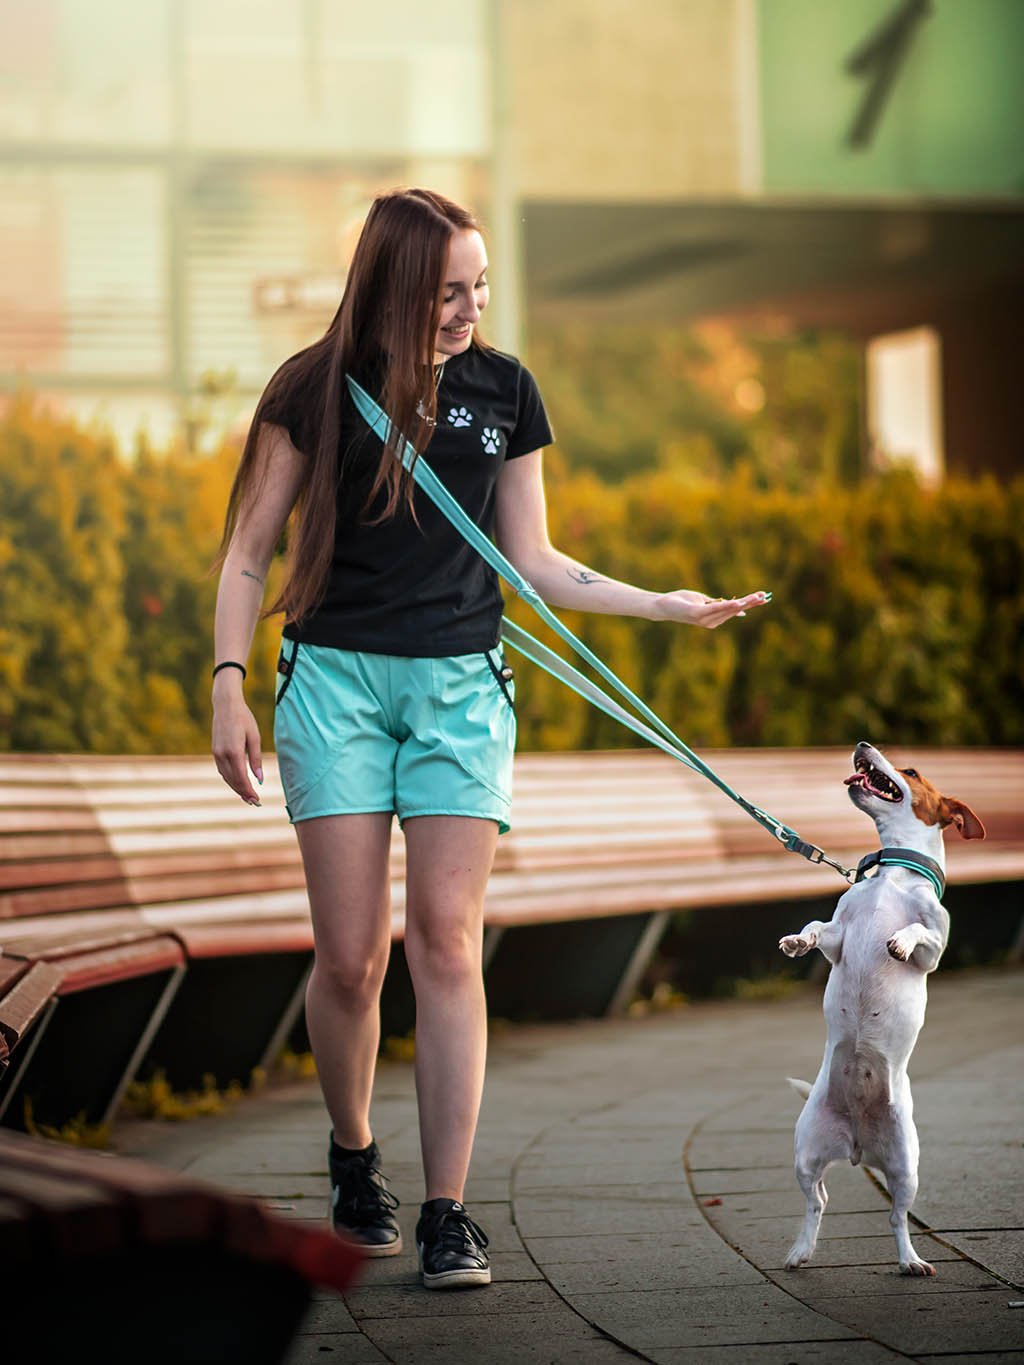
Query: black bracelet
[230,663]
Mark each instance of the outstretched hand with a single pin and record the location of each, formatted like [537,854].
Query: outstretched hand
[697,609]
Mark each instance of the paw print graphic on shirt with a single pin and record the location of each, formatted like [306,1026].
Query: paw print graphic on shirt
[491,439]
[460,417]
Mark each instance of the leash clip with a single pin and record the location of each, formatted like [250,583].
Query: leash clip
[816,855]
[848,874]
[792,842]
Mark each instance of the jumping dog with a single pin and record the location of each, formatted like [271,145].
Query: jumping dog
[889,931]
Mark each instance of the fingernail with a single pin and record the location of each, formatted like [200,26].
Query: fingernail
[259,776]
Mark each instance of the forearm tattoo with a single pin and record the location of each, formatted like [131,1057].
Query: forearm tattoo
[255,577]
[579,575]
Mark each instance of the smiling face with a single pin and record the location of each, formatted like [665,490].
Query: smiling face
[898,798]
[465,294]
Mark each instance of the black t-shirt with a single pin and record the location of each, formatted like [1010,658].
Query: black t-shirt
[421,590]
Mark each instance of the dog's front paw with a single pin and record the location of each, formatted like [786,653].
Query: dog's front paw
[901,945]
[795,945]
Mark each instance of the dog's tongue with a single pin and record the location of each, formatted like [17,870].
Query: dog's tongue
[857,780]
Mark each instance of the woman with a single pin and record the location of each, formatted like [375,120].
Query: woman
[395,698]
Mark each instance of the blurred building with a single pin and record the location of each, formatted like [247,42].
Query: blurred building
[181,180]
[849,164]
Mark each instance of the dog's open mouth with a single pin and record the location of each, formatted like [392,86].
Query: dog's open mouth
[872,779]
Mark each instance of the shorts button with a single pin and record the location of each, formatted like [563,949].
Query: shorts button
[507,674]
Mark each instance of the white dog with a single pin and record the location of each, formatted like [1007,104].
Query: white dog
[888,933]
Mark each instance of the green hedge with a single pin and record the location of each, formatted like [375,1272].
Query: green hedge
[897,613]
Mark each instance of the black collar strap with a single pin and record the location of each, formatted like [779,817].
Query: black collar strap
[904,857]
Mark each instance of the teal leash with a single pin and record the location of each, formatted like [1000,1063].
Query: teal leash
[656,732]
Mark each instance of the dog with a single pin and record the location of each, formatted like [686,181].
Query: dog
[889,931]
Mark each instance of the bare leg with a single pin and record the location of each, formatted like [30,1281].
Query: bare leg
[448,862]
[347,877]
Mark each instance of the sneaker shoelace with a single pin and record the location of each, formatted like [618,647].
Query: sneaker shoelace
[456,1231]
[361,1193]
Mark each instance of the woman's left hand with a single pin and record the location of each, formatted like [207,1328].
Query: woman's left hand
[697,609]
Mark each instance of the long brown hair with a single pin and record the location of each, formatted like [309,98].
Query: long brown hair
[390,308]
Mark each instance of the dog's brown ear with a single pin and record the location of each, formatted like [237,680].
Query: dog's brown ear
[957,813]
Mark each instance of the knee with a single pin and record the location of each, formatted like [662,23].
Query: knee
[350,978]
[444,951]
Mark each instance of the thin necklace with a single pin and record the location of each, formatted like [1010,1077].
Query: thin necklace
[421,407]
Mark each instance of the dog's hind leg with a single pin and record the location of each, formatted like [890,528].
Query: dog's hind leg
[822,1137]
[901,1176]
[811,1179]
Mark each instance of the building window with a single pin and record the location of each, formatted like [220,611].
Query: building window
[904,401]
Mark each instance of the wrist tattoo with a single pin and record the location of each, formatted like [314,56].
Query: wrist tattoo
[584,576]
[255,577]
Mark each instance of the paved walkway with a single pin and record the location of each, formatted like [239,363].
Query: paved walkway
[635,1178]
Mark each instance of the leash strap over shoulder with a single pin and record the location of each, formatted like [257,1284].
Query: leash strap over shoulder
[655,731]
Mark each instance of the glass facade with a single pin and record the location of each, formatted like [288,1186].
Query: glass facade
[182,181]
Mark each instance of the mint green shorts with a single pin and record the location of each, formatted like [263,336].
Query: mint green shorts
[358,732]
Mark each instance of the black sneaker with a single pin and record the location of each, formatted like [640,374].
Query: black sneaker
[451,1246]
[362,1206]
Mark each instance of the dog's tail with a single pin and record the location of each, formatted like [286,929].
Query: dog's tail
[802,1088]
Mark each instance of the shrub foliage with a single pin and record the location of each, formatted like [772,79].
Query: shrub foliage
[897,612]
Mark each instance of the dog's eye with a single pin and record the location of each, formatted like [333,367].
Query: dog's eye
[909,772]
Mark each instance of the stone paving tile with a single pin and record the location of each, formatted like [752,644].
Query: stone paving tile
[696,1317]
[975,1358]
[660,1268]
[607,1216]
[788,1205]
[768,1250]
[812,1283]
[329,1315]
[498,1300]
[588,1176]
[955,1321]
[578,1168]
[743,1180]
[1000,1248]
[854,1352]
[741,1152]
[330,1348]
[274,1185]
[482,1189]
[474,1335]
[744,1229]
[514,1349]
[583,1247]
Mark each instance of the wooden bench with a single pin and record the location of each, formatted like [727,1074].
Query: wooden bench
[150,920]
[115,1258]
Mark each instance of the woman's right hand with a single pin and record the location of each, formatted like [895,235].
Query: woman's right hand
[236,739]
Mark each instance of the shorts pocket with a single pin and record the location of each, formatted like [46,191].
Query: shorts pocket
[503,675]
[286,667]
[474,718]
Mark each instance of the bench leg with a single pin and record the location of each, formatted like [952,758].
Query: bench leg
[287,1021]
[570,969]
[142,1046]
[645,949]
[35,1038]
